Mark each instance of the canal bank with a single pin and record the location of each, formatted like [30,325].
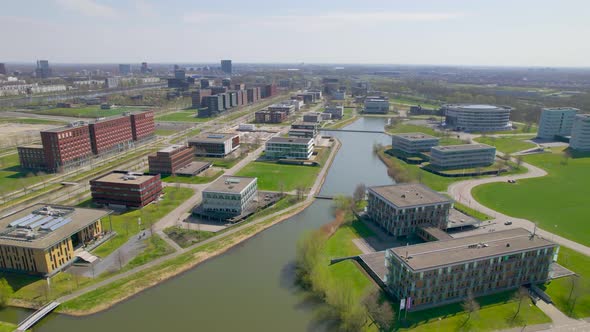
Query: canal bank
[250,287]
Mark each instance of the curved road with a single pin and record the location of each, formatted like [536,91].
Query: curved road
[461,192]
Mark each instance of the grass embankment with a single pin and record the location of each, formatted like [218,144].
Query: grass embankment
[186,237]
[571,295]
[155,247]
[191,179]
[496,313]
[13,178]
[348,117]
[277,177]
[400,128]
[126,224]
[87,111]
[104,297]
[508,144]
[7,327]
[471,212]
[556,201]
[182,116]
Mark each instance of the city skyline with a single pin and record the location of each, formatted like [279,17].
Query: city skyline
[472,33]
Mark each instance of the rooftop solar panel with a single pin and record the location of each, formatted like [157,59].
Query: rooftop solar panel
[32,220]
[41,222]
[51,223]
[60,224]
[21,220]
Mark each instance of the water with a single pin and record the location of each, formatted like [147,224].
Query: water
[249,288]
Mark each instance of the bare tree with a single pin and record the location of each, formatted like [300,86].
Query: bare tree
[470,305]
[519,296]
[379,312]
[359,193]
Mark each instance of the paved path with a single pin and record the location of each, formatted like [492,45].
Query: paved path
[560,322]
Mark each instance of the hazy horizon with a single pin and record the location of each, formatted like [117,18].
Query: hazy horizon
[470,33]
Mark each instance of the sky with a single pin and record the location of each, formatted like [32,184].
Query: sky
[437,32]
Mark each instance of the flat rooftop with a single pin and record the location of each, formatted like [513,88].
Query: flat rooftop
[230,184]
[172,148]
[293,140]
[32,146]
[415,136]
[477,107]
[406,195]
[435,254]
[193,168]
[305,123]
[560,109]
[463,147]
[70,126]
[42,225]
[125,177]
[212,137]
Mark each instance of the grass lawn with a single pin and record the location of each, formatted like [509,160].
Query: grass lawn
[409,101]
[87,111]
[471,212]
[496,313]
[182,116]
[409,128]
[165,132]
[273,176]
[556,201]
[508,144]
[347,118]
[7,327]
[13,178]
[126,224]
[156,247]
[186,237]
[560,289]
[191,179]
[31,121]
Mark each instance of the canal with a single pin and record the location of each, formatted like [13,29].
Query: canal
[252,286]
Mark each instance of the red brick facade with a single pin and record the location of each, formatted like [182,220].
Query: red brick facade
[131,193]
[108,134]
[65,146]
[169,160]
[143,125]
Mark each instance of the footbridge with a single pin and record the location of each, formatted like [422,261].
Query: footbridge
[355,131]
[37,316]
[328,197]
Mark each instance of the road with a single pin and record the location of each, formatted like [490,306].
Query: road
[461,192]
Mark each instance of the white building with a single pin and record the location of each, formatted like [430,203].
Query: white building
[556,122]
[338,95]
[230,195]
[377,105]
[298,104]
[413,142]
[337,111]
[289,148]
[462,156]
[581,133]
[477,118]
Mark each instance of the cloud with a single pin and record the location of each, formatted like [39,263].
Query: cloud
[88,8]
[145,8]
[332,17]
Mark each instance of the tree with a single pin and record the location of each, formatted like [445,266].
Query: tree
[6,292]
[519,296]
[518,161]
[379,312]
[470,305]
[359,193]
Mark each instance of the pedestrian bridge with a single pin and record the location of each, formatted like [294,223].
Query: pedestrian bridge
[37,316]
[355,131]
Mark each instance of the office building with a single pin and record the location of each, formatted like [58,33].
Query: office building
[129,189]
[144,69]
[2,69]
[580,140]
[43,238]
[462,156]
[179,74]
[270,117]
[312,117]
[337,111]
[111,82]
[124,69]
[214,144]
[226,82]
[268,90]
[218,89]
[226,66]
[376,105]
[198,97]
[253,94]
[66,147]
[32,156]
[143,126]
[205,83]
[171,159]
[230,196]
[289,148]
[239,86]
[477,118]
[43,70]
[339,95]
[556,122]
[282,107]
[401,208]
[304,129]
[441,272]
[226,98]
[214,104]
[111,134]
[413,142]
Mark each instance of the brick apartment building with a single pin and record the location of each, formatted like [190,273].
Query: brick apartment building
[170,159]
[110,134]
[66,147]
[142,125]
[270,116]
[126,188]
[32,156]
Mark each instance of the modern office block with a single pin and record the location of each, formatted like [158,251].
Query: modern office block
[462,156]
[413,142]
[556,122]
[128,189]
[230,195]
[215,144]
[289,148]
[581,133]
[477,118]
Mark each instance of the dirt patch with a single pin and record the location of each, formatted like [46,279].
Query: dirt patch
[12,134]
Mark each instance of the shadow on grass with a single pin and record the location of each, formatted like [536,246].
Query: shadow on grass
[19,280]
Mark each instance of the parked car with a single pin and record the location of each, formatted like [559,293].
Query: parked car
[508,223]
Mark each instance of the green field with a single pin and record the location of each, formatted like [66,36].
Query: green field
[410,128]
[7,327]
[273,176]
[508,144]
[560,289]
[88,111]
[558,201]
[13,178]
[191,179]
[126,224]
[165,132]
[409,101]
[495,314]
[182,116]
[155,247]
